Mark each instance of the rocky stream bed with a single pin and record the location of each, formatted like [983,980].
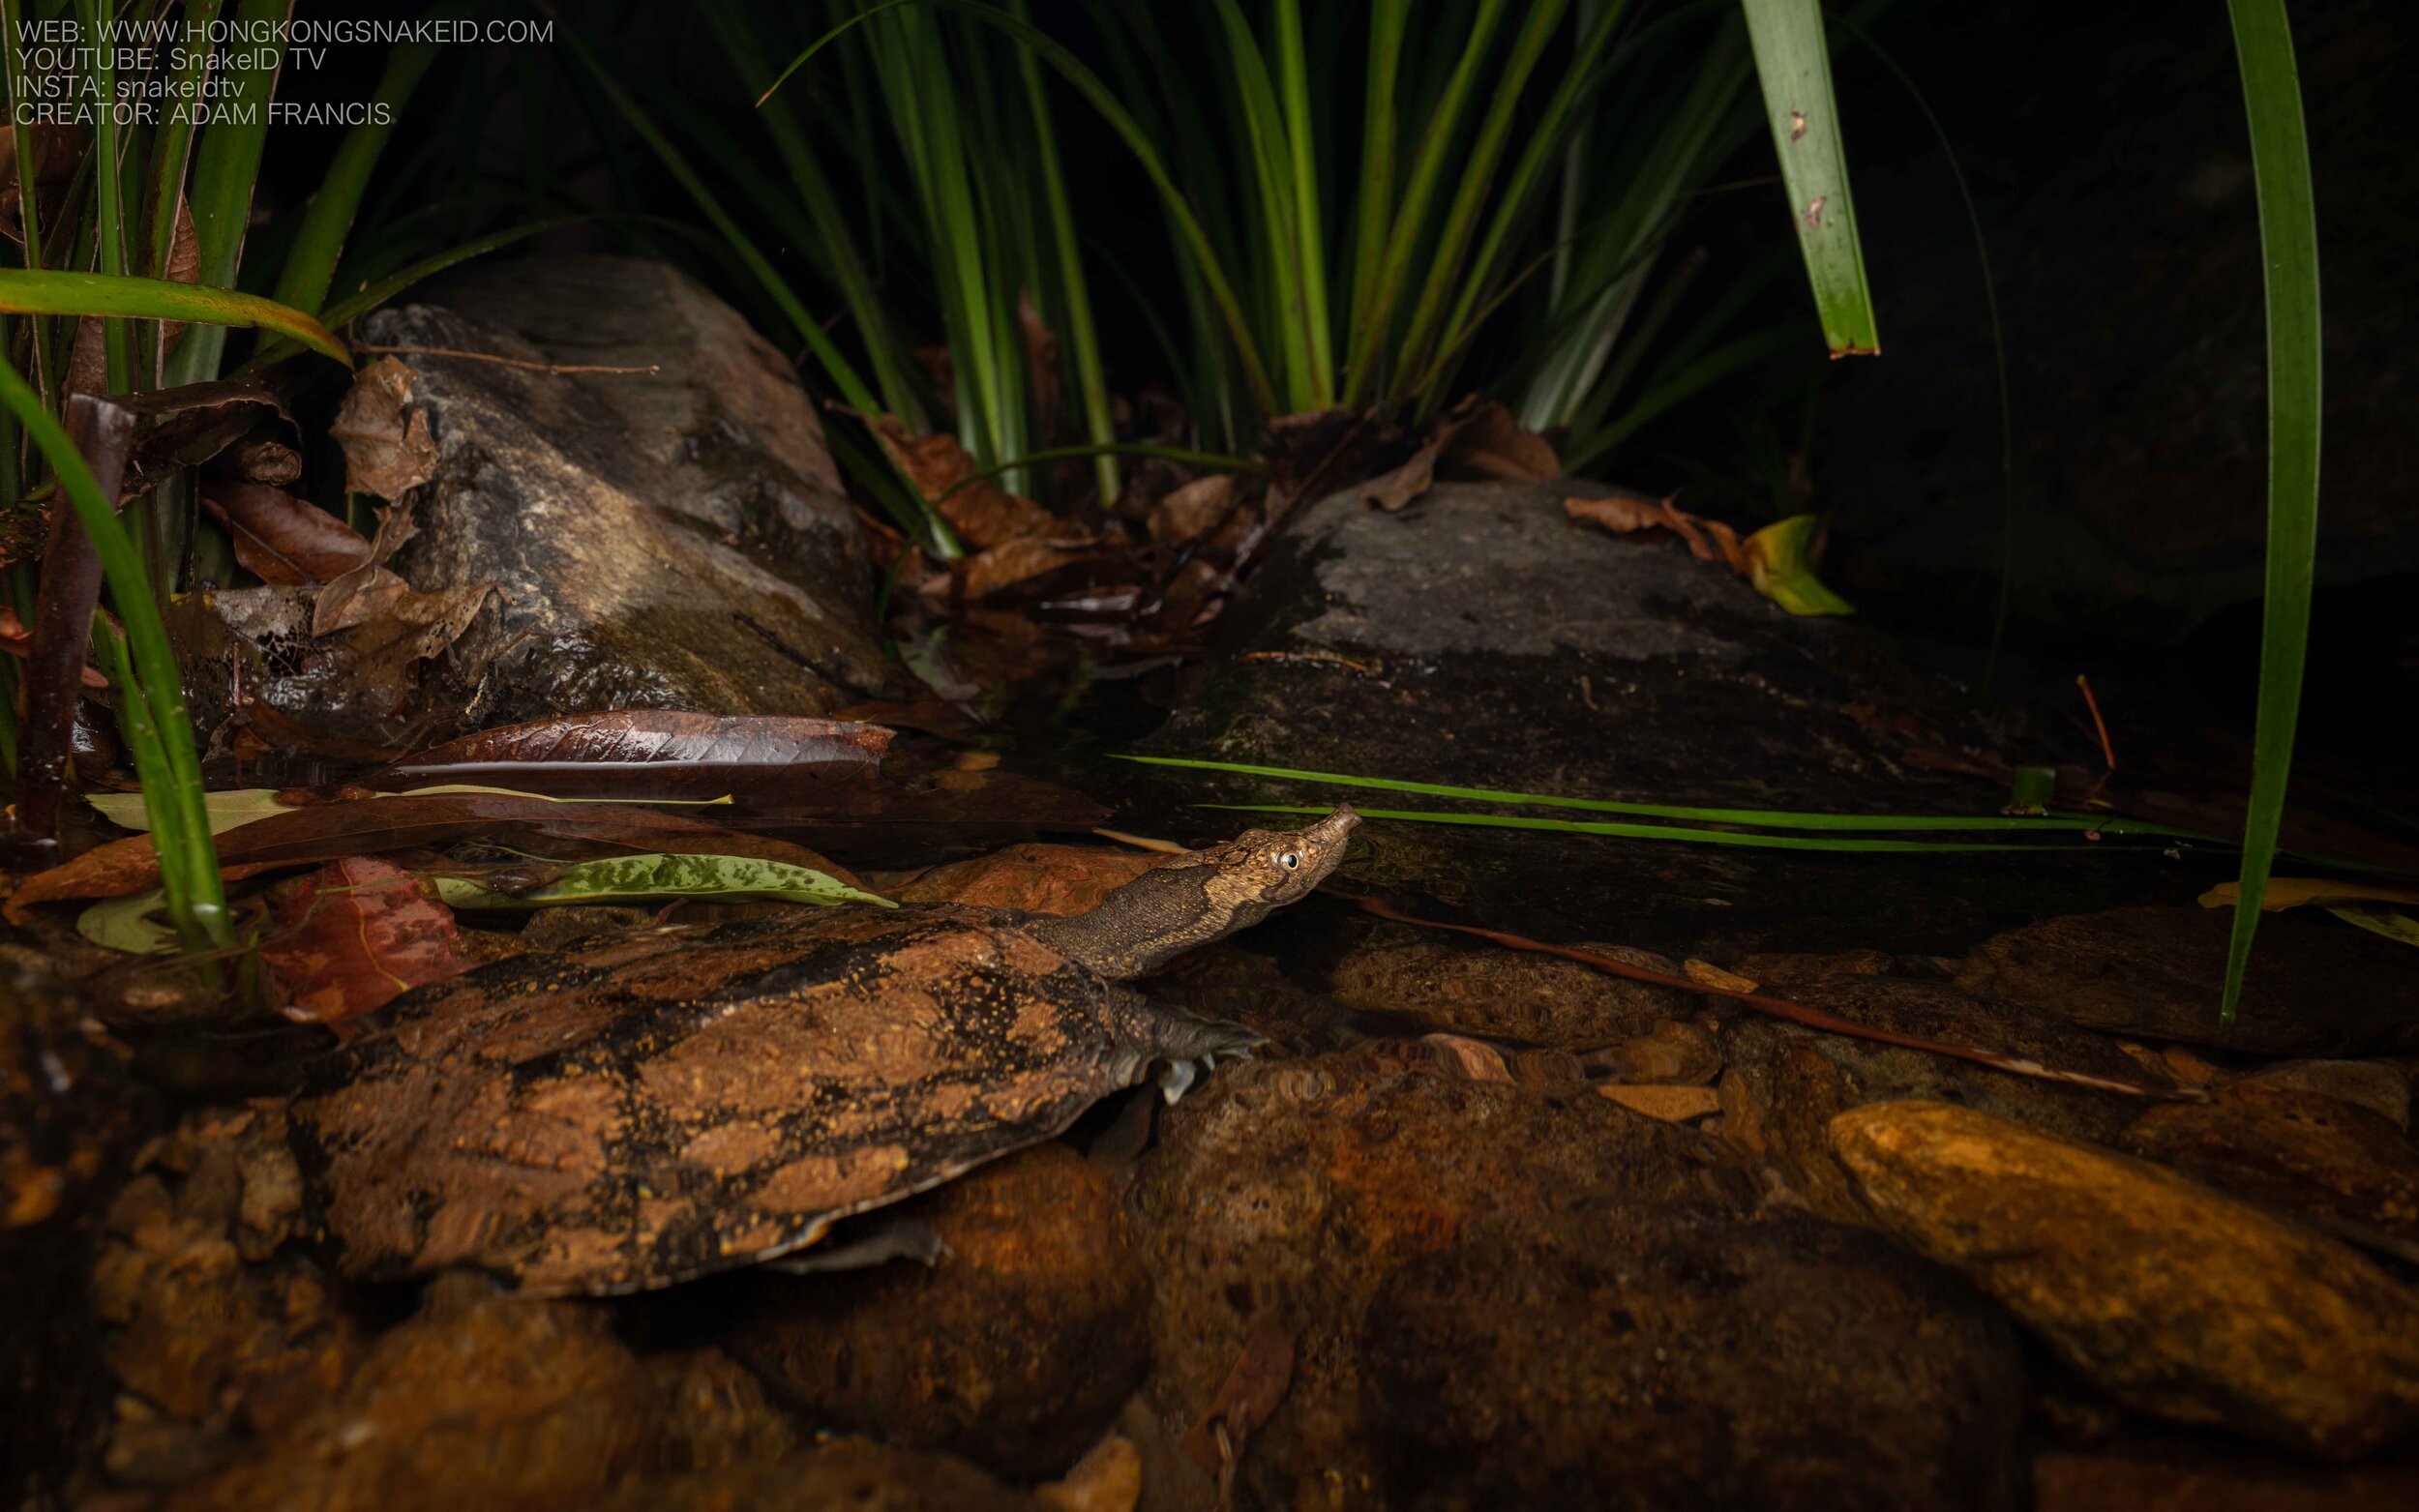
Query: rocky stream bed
[1481,1228]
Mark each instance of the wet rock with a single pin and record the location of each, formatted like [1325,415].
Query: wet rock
[2156,973]
[2176,1300]
[1642,1357]
[679,540]
[845,1475]
[480,1401]
[1785,1082]
[2301,1151]
[1671,1054]
[1015,1349]
[1492,643]
[1516,994]
[2373,1085]
[2203,1478]
[1037,878]
[1282,1193]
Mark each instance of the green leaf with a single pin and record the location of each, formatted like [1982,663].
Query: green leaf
[43,293]
[2380,921]
[1794,67]
[2289,243]
[1780,566]
[660,875]
[130,923]
[1694,837]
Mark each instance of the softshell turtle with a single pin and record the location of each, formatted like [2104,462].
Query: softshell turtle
[678,1101]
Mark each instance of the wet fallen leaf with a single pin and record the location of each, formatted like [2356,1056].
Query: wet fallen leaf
[658,754]
[388,450]
[1247,1398]
[1670,1104]
[1193,511]
[226,809]
[279,537]
[328,831]
[983,513]
[1776,561]
[1491,444]
[132,923]
[665,875]
[2380,921]
[1712,975]
[357,934]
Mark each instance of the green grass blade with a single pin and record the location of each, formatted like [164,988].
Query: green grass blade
[186,843]
[226,165]
[1766,819]
[1374,201]
[1794,68]
[2288,243]
[22,292]
[310,267]
[1309,249]
[1083,338]
[110,199]
[172,149]
[1694,837]
[29,194]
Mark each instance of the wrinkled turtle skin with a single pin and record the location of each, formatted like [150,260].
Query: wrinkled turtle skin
[682,1100]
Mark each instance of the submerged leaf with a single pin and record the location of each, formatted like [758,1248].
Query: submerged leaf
[2381,921]
[358,935]
[665,875]
[132,923]
[2292,891]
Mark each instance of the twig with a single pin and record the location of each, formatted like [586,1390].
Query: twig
[502,362]
[1365,668]
[1782,1008]
[2105,750]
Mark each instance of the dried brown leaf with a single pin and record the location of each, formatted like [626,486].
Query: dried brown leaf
[388,450]
[1490,443]
[1193,511]
[279,537]
[984,513]
[657,754]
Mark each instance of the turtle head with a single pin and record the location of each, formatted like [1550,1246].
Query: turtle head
[1201,896]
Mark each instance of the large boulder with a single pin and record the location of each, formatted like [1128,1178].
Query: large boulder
[678,539]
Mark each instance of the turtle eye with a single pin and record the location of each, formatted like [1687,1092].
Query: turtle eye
[1288,860]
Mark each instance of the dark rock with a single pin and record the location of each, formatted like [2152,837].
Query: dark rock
[1643,1357]
[716,1415]
[2174,1299]
[845,1475]
[1282,1193]
[1015,1351]
[2301,1151]
[2156,973]
[480,1401]
[676,541]
[1511,993]
[1495,644]
[2206,1478]
[2377,1085]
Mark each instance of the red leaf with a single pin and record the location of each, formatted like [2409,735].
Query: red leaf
[358,935]
[656,754]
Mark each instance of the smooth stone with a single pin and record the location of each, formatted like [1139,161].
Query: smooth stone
[480,1401]
[2176,1300]
[2373,1085]
[2156,973]
[1514,995]
[1015,1351]
[1645,1357]
[1281,1193]
[2302,1151]
[676,540]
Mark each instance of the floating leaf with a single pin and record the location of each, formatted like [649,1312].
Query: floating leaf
[652,754]
[358,935]
[664,875]
[132,923]
[226,810]
[2292,891]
